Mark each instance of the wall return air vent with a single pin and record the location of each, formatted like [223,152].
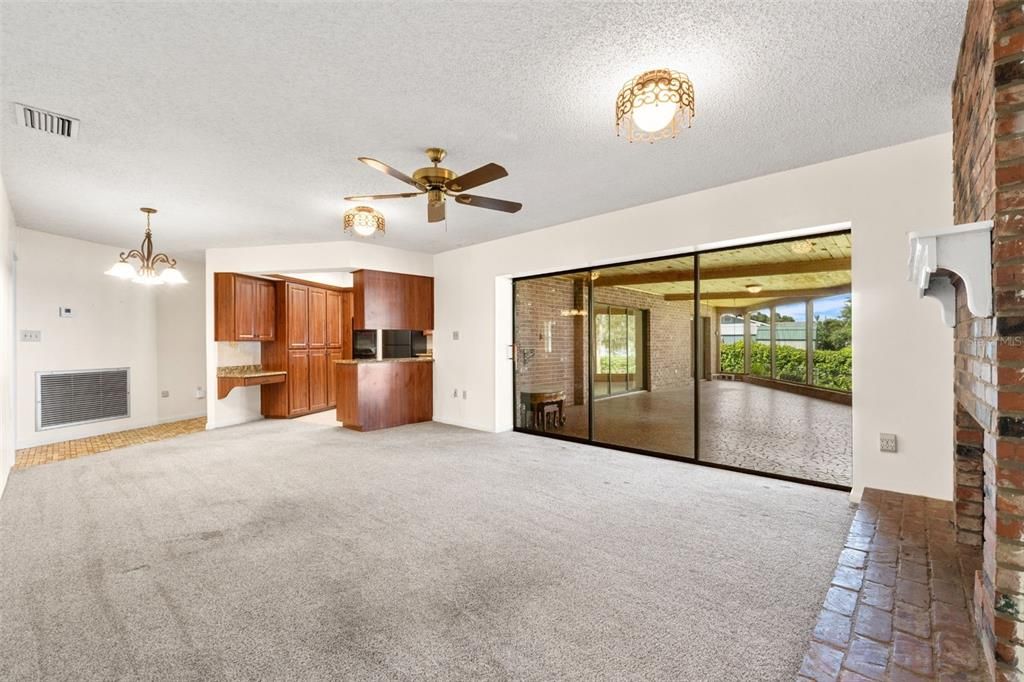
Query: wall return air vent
[46,121]
[81,396]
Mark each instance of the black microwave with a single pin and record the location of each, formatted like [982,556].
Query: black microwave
[364,343]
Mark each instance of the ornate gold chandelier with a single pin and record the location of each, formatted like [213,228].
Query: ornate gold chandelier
[654,106]
[364,221]
[146,274]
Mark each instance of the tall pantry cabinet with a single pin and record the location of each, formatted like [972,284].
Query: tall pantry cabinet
[313,328]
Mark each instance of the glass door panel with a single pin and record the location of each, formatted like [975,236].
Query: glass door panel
[552,356]
[643,356]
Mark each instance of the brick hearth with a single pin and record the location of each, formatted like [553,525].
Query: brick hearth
[899,606]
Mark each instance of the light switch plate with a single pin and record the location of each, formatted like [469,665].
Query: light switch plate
[31,335]
[887,442]
[455,336]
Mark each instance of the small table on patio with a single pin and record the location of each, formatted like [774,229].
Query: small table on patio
[537,401]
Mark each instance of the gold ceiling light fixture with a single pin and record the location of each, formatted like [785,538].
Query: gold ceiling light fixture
[803,246]
[655,105]
[439,183]
[146,273]
[754,288]
[364,221]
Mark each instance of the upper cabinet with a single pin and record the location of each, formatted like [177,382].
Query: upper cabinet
[389,300]
[243,308]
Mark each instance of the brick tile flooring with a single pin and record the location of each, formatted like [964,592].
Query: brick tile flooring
[742,425]
[69,449]
[899,607]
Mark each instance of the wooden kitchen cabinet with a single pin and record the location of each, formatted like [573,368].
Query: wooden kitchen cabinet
[314,328]
[265,310]
[318,380]
[298,382]
[297,317]
[244,308]
[390,300]
[332,385]
[334,319]
[317,318]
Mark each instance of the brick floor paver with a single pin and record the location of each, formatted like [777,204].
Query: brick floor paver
[70,449]
[909,608]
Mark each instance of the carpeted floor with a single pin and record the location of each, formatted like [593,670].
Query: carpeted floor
[289,550]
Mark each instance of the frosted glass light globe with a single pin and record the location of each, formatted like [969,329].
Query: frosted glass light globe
[653,117]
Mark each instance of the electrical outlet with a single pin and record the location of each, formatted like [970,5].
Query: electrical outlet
[455,336]
[887,442]
[165,394]
[200,392]
[463,394]
[31,335]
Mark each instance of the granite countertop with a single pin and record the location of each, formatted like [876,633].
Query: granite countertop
[359,361]
[246,371]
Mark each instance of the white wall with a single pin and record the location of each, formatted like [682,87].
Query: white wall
[335,279]
[180,347]
[7,355]
[243,404]
[903,366]
[116,323]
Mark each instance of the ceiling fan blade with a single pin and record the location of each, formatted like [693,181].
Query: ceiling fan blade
[435,211]
[475,178]
[487,202]
[384,168]
[374,197]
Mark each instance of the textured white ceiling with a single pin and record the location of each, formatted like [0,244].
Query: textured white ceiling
[241,122]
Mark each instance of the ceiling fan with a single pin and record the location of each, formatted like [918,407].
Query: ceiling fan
[439,183]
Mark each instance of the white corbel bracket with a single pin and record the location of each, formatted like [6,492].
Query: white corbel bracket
[965,250]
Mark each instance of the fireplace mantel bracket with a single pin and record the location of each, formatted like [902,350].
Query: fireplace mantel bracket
[964,250]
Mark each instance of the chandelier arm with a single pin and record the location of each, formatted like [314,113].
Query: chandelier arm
[134,253]
[163,258]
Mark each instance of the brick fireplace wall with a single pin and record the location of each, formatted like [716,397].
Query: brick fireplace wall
[988,164]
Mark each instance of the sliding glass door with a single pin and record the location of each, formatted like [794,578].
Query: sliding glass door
[552,354]
[619,337]
[739,358]
[644,358]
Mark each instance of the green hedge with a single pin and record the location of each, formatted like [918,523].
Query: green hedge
[832,368]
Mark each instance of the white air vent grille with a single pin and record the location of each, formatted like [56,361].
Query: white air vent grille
[46,121]
[79,397]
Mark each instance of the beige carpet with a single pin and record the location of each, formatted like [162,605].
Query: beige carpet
[289,550]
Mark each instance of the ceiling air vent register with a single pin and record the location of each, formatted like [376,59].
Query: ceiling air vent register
[46,121]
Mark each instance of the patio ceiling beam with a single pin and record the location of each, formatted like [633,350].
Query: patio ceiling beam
[761,295]
[732,272]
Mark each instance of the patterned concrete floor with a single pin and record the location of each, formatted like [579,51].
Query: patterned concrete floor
[70,449]
[742,425]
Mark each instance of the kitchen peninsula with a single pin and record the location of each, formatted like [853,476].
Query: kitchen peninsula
[378,394]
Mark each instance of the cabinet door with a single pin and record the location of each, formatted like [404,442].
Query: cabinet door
[318,398]
[298,382]
[334,315]
[347,302]
[265,310]
[332,384]
[317,318]
[298,316]
[245,308]
[421,303]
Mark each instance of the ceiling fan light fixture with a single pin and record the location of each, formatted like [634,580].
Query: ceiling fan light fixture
[364,221]
[654,106]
